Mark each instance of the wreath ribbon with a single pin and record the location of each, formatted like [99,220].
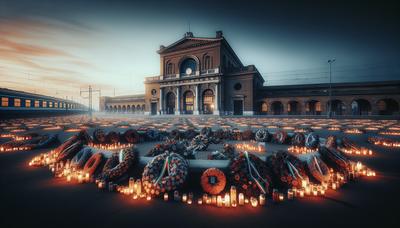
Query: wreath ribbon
[316,162]
[165,167]
[291,168]
[251,167]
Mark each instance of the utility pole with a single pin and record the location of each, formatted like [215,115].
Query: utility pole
[329,114]
[90,97]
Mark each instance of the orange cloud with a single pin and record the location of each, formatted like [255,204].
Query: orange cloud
[28,49]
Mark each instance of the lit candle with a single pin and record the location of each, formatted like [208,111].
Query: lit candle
[304,183]
[189,201]
[262,199]
[227,200]
[139,187]
[80,179]
[148,198]
[200,201]
[334,186]
[325,185]
[281,197]
[205,197]
[165,196]
[219,201]
[233,196]
[294,192]
[69,178]
[87,177]
[308,190]
[184,197]
[301,193]
[290,194]
[241,199]
[214,200]
[131,183]
[253,201]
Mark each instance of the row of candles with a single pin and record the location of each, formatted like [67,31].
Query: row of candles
[114,146]
[44,159]
[357,151]
[384,142]
[353,131]
[301,150]
[229,199]
[233,198]
[395,133]
[251,147]
[17,148]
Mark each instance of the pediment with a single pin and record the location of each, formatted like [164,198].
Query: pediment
[186,43]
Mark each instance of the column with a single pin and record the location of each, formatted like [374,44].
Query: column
[196,105]
[161,102]
[178,99]
[216,101]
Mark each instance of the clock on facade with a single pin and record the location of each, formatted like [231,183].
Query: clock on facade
[188,71]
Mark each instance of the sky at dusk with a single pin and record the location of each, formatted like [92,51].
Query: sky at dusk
[56,47]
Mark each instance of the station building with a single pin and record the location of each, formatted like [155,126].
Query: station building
[204,76]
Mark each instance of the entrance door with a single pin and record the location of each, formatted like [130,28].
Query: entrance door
[153,108]
[170,103]
[208,102]
[237,107]
[188,102]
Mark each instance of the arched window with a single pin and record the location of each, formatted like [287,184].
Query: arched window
[207,62]
[264,107]
[188,67]
[170,69]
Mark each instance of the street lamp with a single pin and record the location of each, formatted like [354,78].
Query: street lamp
[330,61]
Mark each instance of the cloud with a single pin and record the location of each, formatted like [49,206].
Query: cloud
[29,49]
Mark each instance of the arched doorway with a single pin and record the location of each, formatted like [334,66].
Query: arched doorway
[360,107]
[337,108]
[123,108]
[133,109]
[143,108]
[115,108]
[119,108]
[293,108]
[387,106]
[208,101]
[170,106]
[188,102]
[128,108]
[313,107]
[277,108]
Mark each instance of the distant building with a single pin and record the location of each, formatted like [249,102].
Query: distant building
[18,103]
[123,104]
[204,76]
